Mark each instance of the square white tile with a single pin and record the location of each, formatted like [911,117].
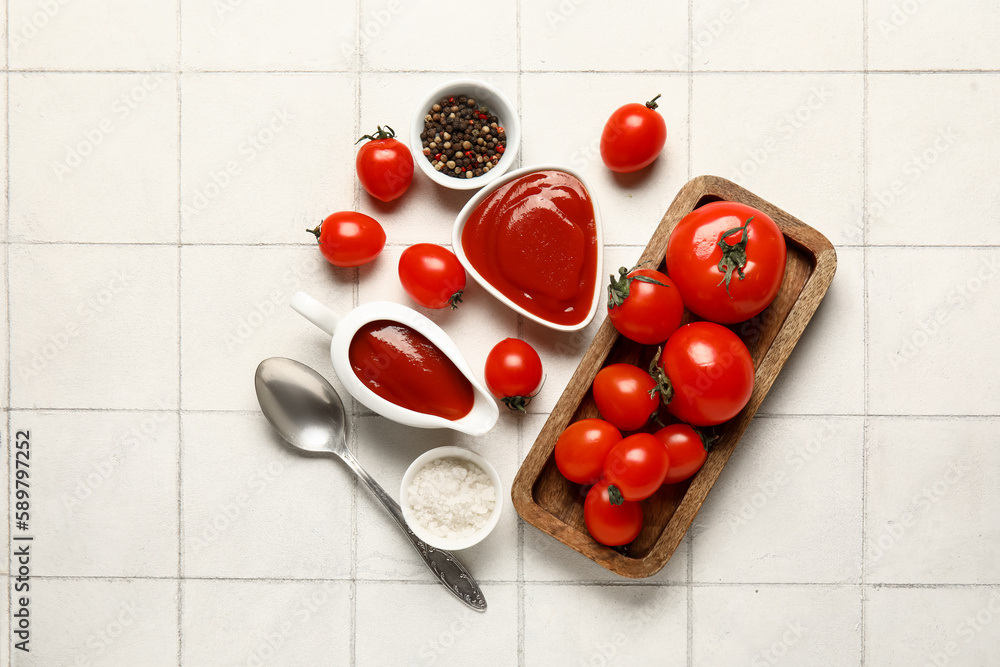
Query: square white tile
[254,507]
[921,35]
[562,119]
[479,322]
[97,35]
[408,36]
[101,622]
[117,472]
[937,626]
[265,157]
[93,157]
[426,212]
[806,125]
[94,326]
[784,35]
[406,624]
[266,623]
[825,373]
[795,625]
[548,559]
[614,625]
[270,35]
[386,450]
[804,472]
[926,311]
[929,517]
[633,35]
[933,141]
[229,329]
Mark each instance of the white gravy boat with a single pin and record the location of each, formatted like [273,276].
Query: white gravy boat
[484,413]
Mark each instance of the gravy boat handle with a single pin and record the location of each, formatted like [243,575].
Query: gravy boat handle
[315,312]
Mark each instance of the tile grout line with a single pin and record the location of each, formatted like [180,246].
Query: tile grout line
[689,589]
[180,365]
[355,298]
[521,613]
[864,282]
[319,72]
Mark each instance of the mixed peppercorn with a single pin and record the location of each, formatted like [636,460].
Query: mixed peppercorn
[461,139]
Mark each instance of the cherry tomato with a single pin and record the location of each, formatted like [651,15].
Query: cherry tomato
[644,305]
[513,373]
[582,448]
[384,164]
[621,392]
[633,137]
[349,238]
[637,466]
[705,374]
[432,275]
[727,260]
[608,522]
[685,448]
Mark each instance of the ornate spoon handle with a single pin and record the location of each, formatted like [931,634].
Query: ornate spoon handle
[443,564]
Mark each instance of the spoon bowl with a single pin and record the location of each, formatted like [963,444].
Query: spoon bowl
[306,411]
[479,420]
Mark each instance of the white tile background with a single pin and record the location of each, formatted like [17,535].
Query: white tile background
[172,527]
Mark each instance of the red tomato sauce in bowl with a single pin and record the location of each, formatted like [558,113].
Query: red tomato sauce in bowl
[402,366]
[534,239]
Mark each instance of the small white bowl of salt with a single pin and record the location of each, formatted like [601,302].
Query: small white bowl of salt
[451,498]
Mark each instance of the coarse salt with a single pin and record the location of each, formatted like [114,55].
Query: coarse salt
[452,498]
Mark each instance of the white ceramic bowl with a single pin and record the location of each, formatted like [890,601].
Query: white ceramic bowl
[484,413]
[484,94]
[421,532]
[463,216]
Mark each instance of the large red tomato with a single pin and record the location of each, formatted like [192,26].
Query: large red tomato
[706,374]
[727,260]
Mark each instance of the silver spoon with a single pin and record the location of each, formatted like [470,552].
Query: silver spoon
[307,412]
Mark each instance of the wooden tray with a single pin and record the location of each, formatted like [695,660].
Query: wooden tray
[554,505]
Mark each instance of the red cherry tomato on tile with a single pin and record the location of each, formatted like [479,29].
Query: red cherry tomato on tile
[727,260]
[621,392]
[633,137]
[705,374]
[513,373]
[608,522]
[349,238]
[686,450]
[644,305]
[432,275]
[637,466]
[583,447]
[384,165]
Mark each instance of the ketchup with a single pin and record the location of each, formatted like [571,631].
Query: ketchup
[402,366]
[535,240]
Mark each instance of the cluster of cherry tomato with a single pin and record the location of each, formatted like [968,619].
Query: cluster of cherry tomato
[433,276]
[725,263]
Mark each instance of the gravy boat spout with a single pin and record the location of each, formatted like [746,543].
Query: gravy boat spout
[480,419]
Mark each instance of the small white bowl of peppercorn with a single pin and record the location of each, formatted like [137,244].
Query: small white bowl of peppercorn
[465,134]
